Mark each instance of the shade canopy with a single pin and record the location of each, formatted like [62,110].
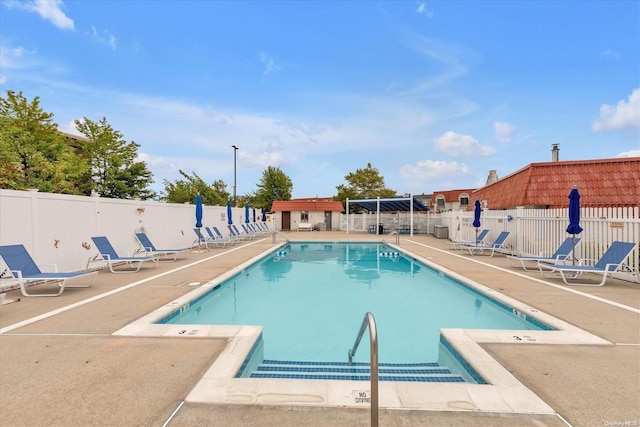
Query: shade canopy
[246,213]
[391,205]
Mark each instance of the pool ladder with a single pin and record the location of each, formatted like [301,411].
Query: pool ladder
[274,233]
[370,321]
[393,233]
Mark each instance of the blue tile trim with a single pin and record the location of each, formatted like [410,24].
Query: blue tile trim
[452,379]
[247,359]
[467,367]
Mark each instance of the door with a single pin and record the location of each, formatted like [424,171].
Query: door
[286,220]
[327,220]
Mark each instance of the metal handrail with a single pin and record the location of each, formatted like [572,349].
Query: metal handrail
[273,236]
[370,321]
[394,232]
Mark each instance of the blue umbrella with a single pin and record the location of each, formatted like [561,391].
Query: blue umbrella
[229,213]
[476,217]
[198,211]
[574,216]
[264,216]
[254,214]
[246,212]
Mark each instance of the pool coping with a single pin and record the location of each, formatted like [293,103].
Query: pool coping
[503,394]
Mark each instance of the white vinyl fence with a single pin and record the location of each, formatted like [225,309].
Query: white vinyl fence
[532,231]
[57,228]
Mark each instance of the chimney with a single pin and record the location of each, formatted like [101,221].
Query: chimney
[555,152]
[493,177]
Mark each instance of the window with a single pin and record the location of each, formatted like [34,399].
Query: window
[464,200]
[440,201]
[304,216]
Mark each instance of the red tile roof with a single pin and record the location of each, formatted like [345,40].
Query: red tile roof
[602,183]
[310,205]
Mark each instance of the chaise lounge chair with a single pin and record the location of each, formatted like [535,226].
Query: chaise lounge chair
[217,238]
[560,256]
[609,263]
[162,254]
[24,268]
[109,254]
[479,240]
[481,249]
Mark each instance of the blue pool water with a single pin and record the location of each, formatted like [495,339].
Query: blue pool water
[311,299]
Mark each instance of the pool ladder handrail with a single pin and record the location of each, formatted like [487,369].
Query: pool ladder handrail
[273,236]
[394,232]
[370,321]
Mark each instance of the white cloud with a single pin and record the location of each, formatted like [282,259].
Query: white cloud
[422,10]
[104,37]
[269,63]
[426,170]
[624,115]
[50,10]
[631,153]
[458,145]
[503,131]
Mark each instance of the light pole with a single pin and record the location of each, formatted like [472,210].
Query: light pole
[235,198]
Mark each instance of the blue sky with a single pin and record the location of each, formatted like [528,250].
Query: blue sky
[432,94]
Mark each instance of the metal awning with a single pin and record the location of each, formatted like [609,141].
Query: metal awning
[396,204]
[391,205]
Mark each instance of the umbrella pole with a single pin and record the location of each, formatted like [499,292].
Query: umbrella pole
[573,251]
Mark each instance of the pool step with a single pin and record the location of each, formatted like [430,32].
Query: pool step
[410,372]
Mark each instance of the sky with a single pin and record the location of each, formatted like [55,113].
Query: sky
[432,94]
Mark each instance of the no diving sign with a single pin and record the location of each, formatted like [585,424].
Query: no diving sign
[361,397]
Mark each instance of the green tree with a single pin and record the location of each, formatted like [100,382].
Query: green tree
[363,184]
[185,190]
[33,153]
[114,173]
[274,185]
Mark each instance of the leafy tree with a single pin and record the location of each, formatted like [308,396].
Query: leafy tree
[185,190]
[114,172]
[274,185]
[34,154]
[363,184]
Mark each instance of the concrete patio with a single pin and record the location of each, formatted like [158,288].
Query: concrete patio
[61,365]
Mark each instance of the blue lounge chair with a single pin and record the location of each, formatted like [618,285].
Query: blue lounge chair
[109,254]
[479,240]
[202,239]
[163,254]
[560,256]
[235,233]
[610,262]
[492,248]
[24,268]
[217,238]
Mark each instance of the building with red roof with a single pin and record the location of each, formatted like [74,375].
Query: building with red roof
[602,183]
[313,213]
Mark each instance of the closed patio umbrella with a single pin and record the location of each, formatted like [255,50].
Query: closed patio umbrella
[246,213]
[198,211]
[476,217]
[254,214]
[199,215]
[574,217]
[264,215]
[229,213]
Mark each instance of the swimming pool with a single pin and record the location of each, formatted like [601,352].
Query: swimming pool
[311,298]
